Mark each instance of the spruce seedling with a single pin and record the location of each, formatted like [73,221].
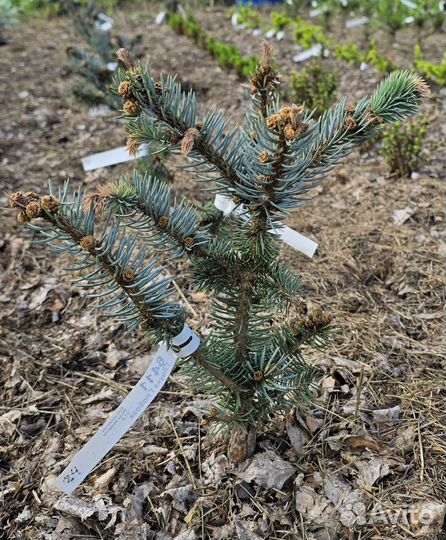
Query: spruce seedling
[252,359]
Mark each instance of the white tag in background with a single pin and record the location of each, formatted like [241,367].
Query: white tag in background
[291,237]
[409,4]
[270,34]
[304,55]
[104,22]
[297,241]
[122,419]
[112,157]
[160,17]
[112,66]
[353,23]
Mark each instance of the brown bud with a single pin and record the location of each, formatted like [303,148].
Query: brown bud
[50,203]
[32,196]
[237,200]
[373,118]
[258,376]
[188,141]
[264,157]
[128,275]
[257,226]
[132,146]
[125,89]
[296,326]
[22,217]
[158,87]
[271,122]
[189,242]
[350,109]
[422,87]
[266,179]
[17,199]
[131,107]
[33,209]
[88,243]
[350,123]
[289,133]
[163,222]
[126,58]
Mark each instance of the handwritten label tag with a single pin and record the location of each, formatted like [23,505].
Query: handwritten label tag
[112,157]
[291,237]
[122,419]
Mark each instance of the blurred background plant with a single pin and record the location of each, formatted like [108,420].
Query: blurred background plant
[314,86]
[434,72]
[96,63]
[402,146]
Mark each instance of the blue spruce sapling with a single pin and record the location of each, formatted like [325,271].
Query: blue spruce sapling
[252,360]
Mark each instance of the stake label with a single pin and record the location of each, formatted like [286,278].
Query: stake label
[112,157]
[122,419]
[291,237]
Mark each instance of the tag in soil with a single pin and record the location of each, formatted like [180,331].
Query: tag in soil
[291,237]
[112,157]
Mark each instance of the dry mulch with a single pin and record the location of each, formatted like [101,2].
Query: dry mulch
[361,461]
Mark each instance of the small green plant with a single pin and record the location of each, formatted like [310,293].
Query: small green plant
[227,56]
[433,72]
[379,62]
[402,146]
[307,35]
[51,8]
[314,86]
[391,15]
[247,16]
[280,20]
[350,53]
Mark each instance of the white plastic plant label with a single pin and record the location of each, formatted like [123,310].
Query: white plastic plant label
[409,4]
[160,17]
[104,22]
[112,157]
[353,23]
[316,12]
[304,55]
[297,241]
[112,66]
[185,343]
[291,237]
[122,419]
